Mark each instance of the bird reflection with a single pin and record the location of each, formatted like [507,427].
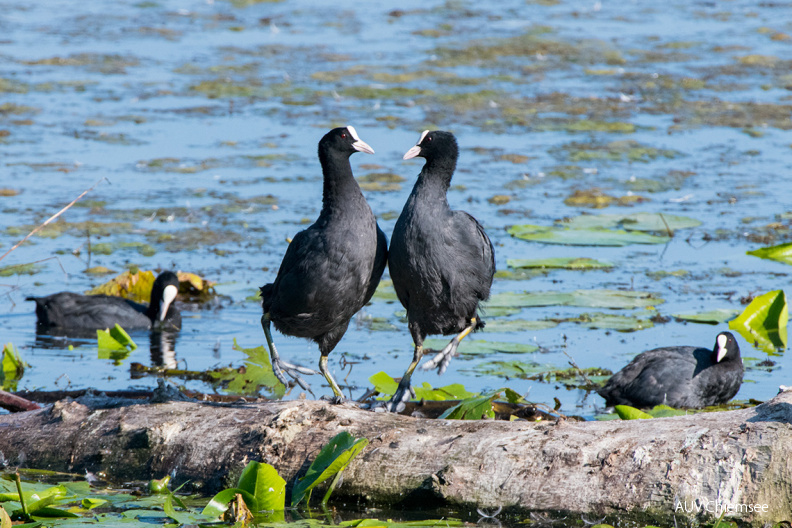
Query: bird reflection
[163,349]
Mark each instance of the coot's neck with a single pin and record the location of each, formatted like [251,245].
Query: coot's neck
[340,188]
[153,310]
[435,179]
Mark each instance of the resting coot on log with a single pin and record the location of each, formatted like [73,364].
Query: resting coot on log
[441,261]
[680,376]
[331,269]
[75,314]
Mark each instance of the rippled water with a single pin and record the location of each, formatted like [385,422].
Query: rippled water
[204,118]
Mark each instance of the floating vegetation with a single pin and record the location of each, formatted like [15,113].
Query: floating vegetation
[717,316]
[622,150]
[599,298]
[381,182]
[594,236]
[571,263]
[597,199]
[136,286]
[477,347]
[20,269]
[763,323]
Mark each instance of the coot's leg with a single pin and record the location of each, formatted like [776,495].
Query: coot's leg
[404,392]
[280,367]
[339,396]
[443,358]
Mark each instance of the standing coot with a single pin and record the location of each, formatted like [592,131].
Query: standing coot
[681,376]
[77,314]
[441,261]
[331,269]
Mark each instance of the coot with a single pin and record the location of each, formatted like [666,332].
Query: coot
[74,314]
[441,261]
[331,269]
[680,376]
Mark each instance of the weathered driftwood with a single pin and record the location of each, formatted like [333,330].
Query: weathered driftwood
[741,457]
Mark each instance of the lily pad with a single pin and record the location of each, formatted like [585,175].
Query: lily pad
[613,299]
[476,347]
[720,315]
[651,222]
[517,325]
[620,323]
[583,237]
[572,263]
[764,322]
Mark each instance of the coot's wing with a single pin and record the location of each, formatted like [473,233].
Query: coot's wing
[475,256]
[380,261]
[84,312]
[652,378]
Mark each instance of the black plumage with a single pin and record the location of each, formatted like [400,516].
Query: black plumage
[680,376]
[441,261]
[332,268]
[75,314]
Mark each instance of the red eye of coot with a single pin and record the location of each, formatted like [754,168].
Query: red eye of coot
[343,136]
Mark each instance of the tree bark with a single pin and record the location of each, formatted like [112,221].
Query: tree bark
[656,466]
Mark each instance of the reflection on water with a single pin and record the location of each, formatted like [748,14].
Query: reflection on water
[163,349]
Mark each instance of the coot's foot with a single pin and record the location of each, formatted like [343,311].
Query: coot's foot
[283,369]
[399,400]
[443,358]
[334,399]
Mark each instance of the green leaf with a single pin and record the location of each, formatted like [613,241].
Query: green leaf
[12,367]
[114,340]
[332,459]
[473,408]
[219,503]
[764,322]
[53,513]
[717,316]
[89,503]
[583,237]
[579,263]
[256,374]
[477,347]
[5,519]
[781,253]
[263,482]
[664,411]
[455,391]
[183,517]
[383,383]
[626,412]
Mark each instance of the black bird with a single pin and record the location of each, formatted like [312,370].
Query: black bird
[77,314]
[680,376]
[331,269]
[441,261]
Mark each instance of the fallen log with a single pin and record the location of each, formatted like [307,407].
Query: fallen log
[662,467]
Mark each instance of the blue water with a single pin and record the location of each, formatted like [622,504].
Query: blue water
[132,103]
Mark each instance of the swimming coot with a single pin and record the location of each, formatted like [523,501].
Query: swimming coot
[441,261]
[681,376]
[77,314]
[331,269]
